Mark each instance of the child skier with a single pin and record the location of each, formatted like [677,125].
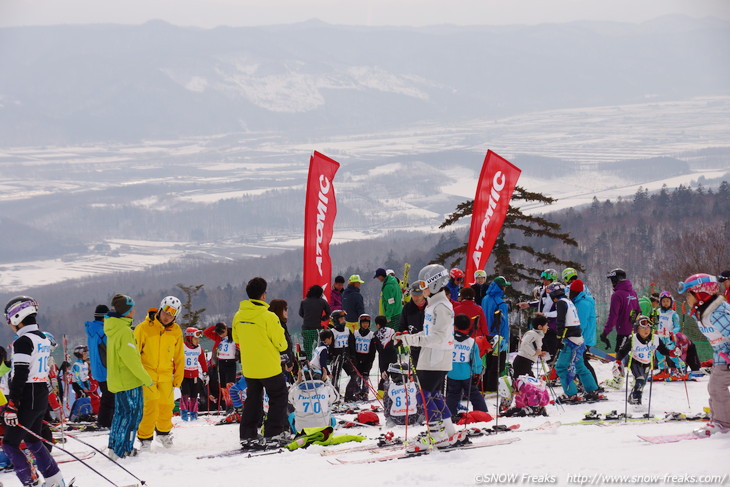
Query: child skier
[713,319]
[401,402]
[311,401]
[437,344]
[387,353]
[466,366]
[343,348]
[319,366]
[667,329]
[641,347]
[28,395]
[364,356]
[80,371]
[189,389]
[530,350]
[572,348]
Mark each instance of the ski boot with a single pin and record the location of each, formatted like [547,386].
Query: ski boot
[592,415]
[593,396]
[564,399]
[710,429]
[635,398]
[193,416]
[55,481]
[145,445]
[185,415]
[165,439]
[234,417]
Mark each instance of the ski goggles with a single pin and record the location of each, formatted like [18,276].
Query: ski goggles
[683,287]
[194,334]
[171,310]
[423,285]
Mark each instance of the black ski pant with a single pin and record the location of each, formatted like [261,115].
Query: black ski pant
[522,366]
[495,367]
[276,419]
[106,406]
[589,366]
[387,356]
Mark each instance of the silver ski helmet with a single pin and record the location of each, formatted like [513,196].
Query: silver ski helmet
[433,277]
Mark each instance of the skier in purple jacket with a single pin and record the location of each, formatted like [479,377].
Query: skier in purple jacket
[623,310]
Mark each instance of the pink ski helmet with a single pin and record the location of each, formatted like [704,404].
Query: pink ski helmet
[702,287]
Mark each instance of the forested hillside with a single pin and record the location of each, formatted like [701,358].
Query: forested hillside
[657,238]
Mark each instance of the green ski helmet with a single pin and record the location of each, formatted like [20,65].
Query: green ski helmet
[569,274]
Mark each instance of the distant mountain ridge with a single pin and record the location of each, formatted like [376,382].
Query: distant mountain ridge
[73,84]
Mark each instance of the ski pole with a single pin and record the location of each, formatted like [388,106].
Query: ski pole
[100,451]
[32,433]
[550,388]
[365,381]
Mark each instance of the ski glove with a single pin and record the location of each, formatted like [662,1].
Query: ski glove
[11,414]
[604,339]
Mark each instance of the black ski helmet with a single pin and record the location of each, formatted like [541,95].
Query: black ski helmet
[616,275]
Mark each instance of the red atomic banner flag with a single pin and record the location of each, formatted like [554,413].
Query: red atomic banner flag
[494,191]
[320,211]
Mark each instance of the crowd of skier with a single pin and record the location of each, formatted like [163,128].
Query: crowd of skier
[438,342]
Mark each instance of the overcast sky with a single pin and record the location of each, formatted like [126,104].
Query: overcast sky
[211,13]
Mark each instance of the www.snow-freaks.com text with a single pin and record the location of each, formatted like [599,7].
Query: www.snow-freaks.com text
[601,479]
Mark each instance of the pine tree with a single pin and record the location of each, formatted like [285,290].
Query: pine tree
[190,317]
[516,223]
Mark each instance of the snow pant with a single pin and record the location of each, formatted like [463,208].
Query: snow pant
[226,372]
[276,419]
[588,365]
[663,362]
[360,379]
[159,401]
[31,410]
[189,390]
[495,367]
[432,385]
[720,395]
[340,362]
[238,392]
[106,406]
[310,339]
[522,366]
[456,389]
[128,407]
[641,374]
[387,356]
[570,365]
[620,340]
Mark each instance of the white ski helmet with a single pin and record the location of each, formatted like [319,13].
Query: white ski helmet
[19,308]
[433,277]
[171,304]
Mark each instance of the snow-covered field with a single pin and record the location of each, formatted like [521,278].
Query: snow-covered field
[570,455]
[209,169]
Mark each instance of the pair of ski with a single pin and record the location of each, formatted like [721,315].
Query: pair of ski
[397,443]
[405,454]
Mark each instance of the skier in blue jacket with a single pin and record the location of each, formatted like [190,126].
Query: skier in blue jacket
[496,311]
[96,341]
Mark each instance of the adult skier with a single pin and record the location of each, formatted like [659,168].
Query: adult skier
[624,309]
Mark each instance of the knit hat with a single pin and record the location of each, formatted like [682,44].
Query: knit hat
[577,286]
[122,304]
[100,311]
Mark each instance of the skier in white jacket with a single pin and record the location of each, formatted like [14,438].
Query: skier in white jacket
[434,362]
